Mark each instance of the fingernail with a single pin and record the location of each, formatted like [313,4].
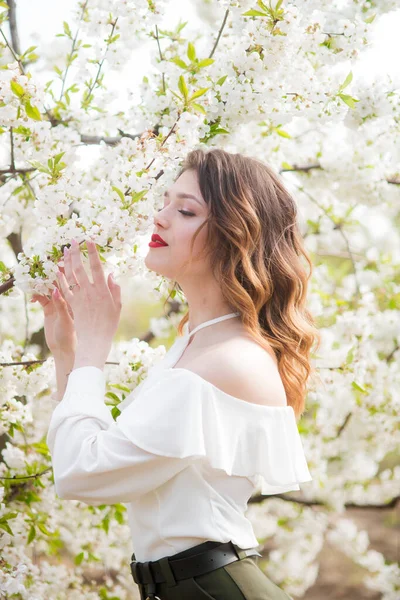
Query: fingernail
[56,293]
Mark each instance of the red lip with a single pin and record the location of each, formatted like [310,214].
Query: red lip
[156,238]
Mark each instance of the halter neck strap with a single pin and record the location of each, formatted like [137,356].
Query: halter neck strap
[212,321]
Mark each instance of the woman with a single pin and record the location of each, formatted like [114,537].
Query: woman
[216,418]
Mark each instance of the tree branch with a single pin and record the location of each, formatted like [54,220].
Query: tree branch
[69,62]
[35,476]
[219,33]
[12,19]
[102,61]
[391,504]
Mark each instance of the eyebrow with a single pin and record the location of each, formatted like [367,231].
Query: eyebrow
[182,195]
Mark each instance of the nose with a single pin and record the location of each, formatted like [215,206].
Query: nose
[156,219]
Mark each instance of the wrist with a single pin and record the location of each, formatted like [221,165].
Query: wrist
[64,357]
[86,356]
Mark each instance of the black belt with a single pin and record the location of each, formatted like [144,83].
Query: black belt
[171,570]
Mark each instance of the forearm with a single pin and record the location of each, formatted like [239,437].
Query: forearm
[64,364]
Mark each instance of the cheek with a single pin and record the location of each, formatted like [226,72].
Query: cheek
[199,243]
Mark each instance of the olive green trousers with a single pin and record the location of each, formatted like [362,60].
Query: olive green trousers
[239,580]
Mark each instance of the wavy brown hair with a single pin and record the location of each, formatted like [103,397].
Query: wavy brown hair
[255,250]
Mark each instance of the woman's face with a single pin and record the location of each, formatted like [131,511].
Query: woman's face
[177,228]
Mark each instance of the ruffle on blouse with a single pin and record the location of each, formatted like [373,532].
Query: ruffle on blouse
[181,415]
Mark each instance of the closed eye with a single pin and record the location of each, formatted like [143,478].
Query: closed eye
[185,213]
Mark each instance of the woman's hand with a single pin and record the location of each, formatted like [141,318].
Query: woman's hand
[95,306]
[59,329]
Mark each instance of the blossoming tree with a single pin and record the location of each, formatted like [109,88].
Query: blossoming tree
[274,79]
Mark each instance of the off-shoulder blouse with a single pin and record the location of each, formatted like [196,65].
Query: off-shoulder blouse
[183,455]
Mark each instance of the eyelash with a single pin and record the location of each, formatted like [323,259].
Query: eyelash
[183,212]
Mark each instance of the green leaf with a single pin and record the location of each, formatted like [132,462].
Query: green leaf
[32,112]
[6,527]
[136,196]
[43,528]
[221,80]
[112,396]
[115,412]
[119,517]
[79,558]
[283,134]
[37,165]
[106,523]
[191,52]
[205,62]
[182,87]
[30,49]
[198,94]
[254,13]
[350,356]
[286,165]
[17,89]
[178,61]
[199,108]
[67,30]
[358,387]
[22,130]
[41,448]
[221,131]
[4,5]
[347,81]
[119,192]
[278,4]
[58,157]
[121,387]
[32,534]
[261,4]
[176,95]
[348,100]
[113,39]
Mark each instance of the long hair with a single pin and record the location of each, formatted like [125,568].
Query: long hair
[255,249]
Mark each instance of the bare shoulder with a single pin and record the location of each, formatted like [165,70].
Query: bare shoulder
[242,368]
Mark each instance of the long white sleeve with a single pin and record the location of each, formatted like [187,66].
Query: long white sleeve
[93,461]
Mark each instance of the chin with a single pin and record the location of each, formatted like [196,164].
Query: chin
[156,266]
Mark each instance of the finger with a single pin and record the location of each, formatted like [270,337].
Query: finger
[46,303]
[95,264]
[56,282]
[43,300]
[60,304]
[69,297]
[69,274]
[57,285]
[77,266]
[115,290]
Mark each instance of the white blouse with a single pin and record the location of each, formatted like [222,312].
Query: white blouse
[184,455]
